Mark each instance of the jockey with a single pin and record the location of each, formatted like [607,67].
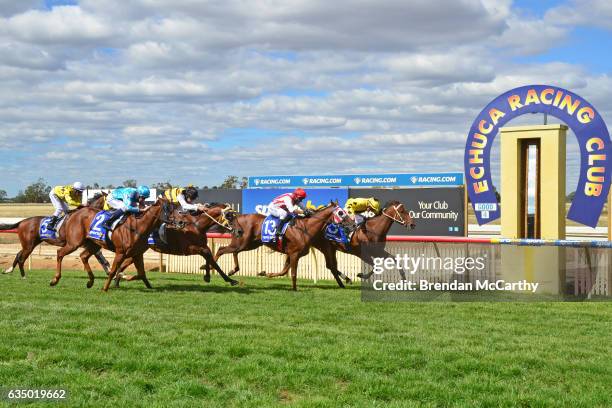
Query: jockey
[185,197]
[285,204]
[125,200]
[355,207]
[62,197]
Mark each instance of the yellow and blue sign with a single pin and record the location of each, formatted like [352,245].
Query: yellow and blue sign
[577,113]
[360,180]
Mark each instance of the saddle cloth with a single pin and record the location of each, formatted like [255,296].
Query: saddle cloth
[158,236]
[269,227]
[48,234]
[97,229]
[335,232]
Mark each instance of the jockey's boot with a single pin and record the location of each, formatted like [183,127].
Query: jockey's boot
[279,229]
[52,222]
[112,218]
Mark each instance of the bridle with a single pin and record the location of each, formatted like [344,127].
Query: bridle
[224,221]
[396,217]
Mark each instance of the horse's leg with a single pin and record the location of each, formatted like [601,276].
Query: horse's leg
[103,261]
[233,249]
[369,261]
[26,249]
[119,258]
[206,276]
[332,264]
[61,253]
[236,265]
[140,268]
[126,263]
[207,254]
[293,260]
[121,275]
[281,273]
[90,249]
[15,262]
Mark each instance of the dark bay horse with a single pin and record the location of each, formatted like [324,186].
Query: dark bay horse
[28,231]
[129,240]
[189,238]
[297,238]
[374,230]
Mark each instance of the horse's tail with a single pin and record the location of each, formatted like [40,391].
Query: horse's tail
[4,227]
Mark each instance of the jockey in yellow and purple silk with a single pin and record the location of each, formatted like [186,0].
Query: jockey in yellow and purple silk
[62,197]
[185,196]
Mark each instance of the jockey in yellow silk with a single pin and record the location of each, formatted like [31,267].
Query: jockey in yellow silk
[355,207]
[62,197]
[185,196]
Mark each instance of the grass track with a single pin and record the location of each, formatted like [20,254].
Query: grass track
[186,343]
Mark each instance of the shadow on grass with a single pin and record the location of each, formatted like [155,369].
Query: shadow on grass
[242,289]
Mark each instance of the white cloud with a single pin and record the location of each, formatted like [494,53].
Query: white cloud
[61,25]
[191,91]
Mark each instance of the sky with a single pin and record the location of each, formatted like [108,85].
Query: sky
[192,91]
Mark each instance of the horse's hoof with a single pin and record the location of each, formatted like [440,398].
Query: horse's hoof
[348,281]
[233,282]
[360,275]
[89,284]
[203,267]
[53,282]
[262,273]
[207,278]
[9,270]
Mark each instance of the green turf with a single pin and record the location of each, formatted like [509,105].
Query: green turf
[186,343]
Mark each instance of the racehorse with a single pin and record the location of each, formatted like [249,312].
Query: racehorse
[296,241]
[28,231]
[128,240]
[373,231]
[189,238]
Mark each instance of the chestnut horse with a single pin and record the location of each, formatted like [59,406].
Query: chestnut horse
[28,231]
[129,240]
[374,230]
[189,238]
[296,241]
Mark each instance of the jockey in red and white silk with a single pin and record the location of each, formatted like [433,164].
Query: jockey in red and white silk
[285,204]
[288,203]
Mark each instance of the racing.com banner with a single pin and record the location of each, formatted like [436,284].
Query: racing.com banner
[361,180]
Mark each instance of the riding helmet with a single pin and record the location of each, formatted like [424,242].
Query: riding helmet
[144,191]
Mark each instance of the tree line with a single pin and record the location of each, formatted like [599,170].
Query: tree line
[38,191]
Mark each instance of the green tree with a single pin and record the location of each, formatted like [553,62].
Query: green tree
[37,192]
[229,182]
[130,183]
[244,183]
[162,186]
[2,195]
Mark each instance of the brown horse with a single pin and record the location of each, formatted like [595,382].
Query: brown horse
[28,231]
[189,238]
[374,230]
[129,240]
[297,238]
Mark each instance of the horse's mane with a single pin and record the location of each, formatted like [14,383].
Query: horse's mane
[390,203]
[96,197]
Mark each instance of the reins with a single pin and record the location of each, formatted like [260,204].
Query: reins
[399,218]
